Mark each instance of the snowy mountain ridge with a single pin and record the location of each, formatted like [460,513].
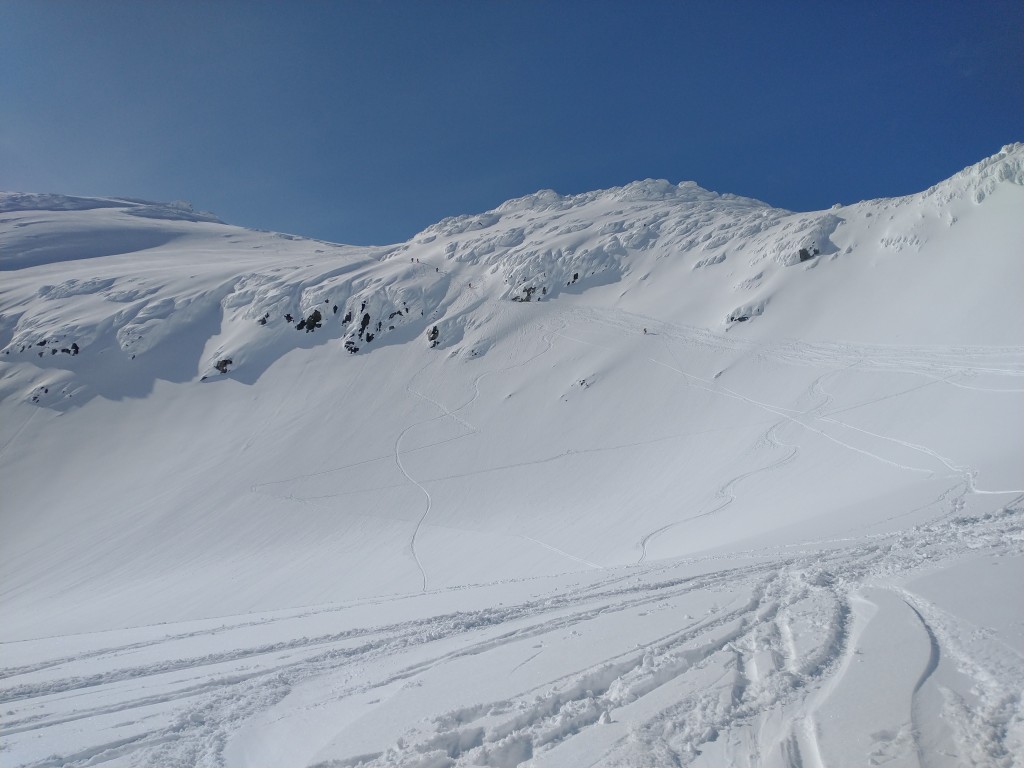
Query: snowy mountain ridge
[27,201]
[648,476]
[529,249]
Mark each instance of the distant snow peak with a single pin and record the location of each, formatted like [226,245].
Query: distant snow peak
[30,201]
[178,210]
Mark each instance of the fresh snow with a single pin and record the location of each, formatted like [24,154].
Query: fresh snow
[682,479]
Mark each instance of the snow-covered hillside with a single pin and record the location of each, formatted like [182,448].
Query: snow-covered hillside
[644,476]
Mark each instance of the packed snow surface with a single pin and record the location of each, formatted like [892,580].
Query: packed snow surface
[649,476]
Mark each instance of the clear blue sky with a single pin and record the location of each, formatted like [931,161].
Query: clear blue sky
[363,122]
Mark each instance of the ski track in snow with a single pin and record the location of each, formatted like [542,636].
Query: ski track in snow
[782,641]
[470,430]
[849,358]
[782,412]
[724,494]
[780,638]
[14,437]
[990,724]
[560,456]
[938,364]
[426,493]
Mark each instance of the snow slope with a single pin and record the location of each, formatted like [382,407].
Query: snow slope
[679,479]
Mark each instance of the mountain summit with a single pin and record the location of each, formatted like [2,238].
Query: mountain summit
[676,252]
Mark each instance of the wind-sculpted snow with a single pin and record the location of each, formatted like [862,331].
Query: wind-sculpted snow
[722,251]
[639,477]
[540,256]
[979,180]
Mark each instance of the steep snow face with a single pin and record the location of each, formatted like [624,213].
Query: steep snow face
[643,476]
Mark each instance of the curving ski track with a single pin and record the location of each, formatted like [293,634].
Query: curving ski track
[779,636]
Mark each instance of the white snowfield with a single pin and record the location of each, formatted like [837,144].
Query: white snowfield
[650,476]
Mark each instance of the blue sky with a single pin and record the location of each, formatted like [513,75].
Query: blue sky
[364,122]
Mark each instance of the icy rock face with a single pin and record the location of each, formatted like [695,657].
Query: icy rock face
[810,234]
[211,291]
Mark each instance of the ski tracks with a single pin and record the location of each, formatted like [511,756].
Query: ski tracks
[424,491]
[749,656]
[470,430]
[725,493]
[782,649]
[989,723]
[717,671]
